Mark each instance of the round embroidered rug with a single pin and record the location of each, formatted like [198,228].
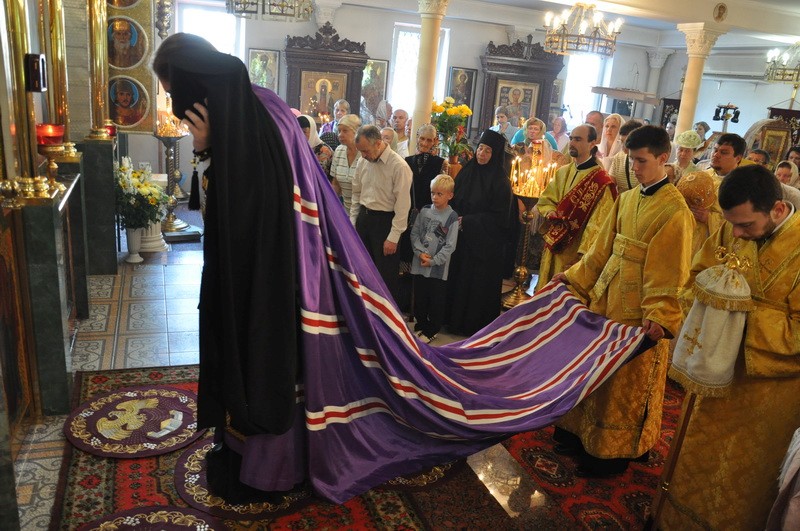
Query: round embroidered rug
[161,518]
[192,486]
[134,422]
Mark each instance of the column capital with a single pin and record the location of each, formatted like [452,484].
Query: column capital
[658,56]
[325,10]
[701,37]
[433,7]
[518,32]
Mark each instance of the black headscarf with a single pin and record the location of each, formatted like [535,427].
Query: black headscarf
[482,198]
[248,314]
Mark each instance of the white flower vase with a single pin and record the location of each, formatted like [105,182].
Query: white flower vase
[152,240]
[134,237]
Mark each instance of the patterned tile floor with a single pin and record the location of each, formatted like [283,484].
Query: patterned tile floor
[147,316]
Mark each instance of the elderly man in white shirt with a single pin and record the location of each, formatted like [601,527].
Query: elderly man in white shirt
[380,202]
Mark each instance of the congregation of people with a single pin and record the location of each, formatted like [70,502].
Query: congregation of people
[632,216]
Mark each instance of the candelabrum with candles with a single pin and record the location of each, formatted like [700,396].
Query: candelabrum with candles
[49,140]
[529,177]
[169,130]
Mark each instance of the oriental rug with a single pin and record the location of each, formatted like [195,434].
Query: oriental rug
[161,518]
[94,487]
[619,502]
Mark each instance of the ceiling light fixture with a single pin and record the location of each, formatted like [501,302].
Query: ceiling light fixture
[581,29]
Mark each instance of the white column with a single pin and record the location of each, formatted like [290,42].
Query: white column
[432,12]
[700,38]
[656,57]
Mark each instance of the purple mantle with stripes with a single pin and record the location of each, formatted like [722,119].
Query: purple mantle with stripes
[374,403]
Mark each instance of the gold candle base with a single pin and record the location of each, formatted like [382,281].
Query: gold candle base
[52,151]
[98,134]
[521,273]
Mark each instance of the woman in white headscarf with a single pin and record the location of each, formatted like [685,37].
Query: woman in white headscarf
[685,144]
[787,173]
[322,150]
[610,143]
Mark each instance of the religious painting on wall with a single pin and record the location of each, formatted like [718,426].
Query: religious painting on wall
[374,107]
[776,142]
[131,84]
[128,101]
[518,98]
[319,91]
[264,68]
[127,43]
[461,87]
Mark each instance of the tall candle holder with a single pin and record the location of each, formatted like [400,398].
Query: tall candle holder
[49,140]
[528,181]
[169,132]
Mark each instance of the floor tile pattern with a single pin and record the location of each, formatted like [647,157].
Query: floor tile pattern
[146,315]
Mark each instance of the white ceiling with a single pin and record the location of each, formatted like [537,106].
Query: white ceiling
[774,20]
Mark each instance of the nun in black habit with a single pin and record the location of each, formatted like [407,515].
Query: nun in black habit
[248,312]
[483,200]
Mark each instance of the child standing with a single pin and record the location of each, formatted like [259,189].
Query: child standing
[433,239]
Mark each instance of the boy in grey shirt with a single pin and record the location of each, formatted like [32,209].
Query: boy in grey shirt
[433,239]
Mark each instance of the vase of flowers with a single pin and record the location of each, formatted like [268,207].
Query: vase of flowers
[140,202]
[450,121]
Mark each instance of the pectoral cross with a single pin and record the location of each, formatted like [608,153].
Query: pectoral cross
[692,340]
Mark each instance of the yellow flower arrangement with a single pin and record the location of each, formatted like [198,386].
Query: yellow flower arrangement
[449,120]
[140,201]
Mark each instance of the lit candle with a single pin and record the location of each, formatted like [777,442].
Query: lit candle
[49,134]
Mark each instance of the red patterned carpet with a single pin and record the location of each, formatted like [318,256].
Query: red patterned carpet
[93,487]
[622,502]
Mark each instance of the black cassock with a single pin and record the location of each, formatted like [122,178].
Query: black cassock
[248,311]
[483,200]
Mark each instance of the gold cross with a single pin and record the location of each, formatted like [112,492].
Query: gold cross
[693,341]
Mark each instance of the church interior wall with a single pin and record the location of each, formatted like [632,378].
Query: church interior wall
[468,40]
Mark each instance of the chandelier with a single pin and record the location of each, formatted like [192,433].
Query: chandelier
[784,67]
[580,30]
[285,10]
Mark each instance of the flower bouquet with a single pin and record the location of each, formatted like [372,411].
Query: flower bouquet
[140,201]
[449,120]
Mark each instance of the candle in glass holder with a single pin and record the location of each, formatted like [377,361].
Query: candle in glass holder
[49,134]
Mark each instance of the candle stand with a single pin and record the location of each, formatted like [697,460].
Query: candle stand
[173,228]
[529,178]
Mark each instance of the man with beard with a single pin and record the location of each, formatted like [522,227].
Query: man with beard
[574,205]
[126,46]
[725,474]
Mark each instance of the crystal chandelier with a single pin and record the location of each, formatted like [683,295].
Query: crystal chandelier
[784,67]
[580,30]
[285,10]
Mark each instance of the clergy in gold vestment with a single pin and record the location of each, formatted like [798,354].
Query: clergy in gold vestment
[583,185]
[727,468]
[632,274]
